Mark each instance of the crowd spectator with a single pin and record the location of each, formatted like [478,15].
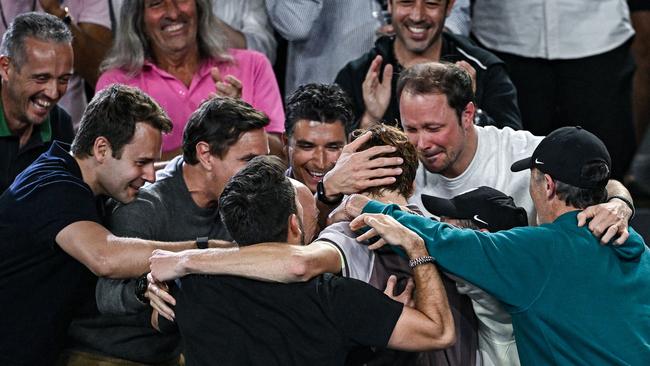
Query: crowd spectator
[180,205]
[30,119]
[176,52]
[90,25]
[571,63]
[371,79]
[323,35]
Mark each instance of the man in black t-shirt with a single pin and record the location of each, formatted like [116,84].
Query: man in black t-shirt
[234,321]
[51,238]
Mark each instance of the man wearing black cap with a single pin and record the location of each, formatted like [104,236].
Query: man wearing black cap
[572,301]
[484,209]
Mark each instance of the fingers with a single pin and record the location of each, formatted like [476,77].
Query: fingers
[388,75]
[216,74]
[234,81]
[623,235]
[375,65]
[609,234]
[359,222]
[379,150]
[585,215]
[378,244]
[367,235]
[390,285]
[356,144]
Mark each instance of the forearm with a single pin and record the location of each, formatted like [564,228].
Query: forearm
[272,262]
[616,188]
[431,298]
[129,257]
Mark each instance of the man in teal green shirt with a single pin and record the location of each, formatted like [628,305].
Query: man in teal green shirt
[572,300]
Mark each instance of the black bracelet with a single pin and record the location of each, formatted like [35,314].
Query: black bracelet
[141,284]
[202,242]
[421,260]
[322,195]
[627,202]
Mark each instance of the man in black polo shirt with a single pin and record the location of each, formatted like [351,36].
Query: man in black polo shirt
[35,66]
[371,79]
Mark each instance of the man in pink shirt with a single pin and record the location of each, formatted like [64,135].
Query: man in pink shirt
[185,61]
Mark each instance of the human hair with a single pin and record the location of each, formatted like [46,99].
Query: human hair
[219,121]
[113,113]
[256,203]
[578,197]
[438,78]
[326,103]
[40,26]
[391,136]
[467,224]
[132,45]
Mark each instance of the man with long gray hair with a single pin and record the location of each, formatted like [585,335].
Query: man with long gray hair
[175,52]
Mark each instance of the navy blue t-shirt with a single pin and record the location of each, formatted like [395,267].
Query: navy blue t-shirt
[41,285]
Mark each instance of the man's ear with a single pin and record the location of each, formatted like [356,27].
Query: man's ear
[484,230]
[550,186]
[5,65]
[294,233]
[468,116]
[102,149]
[203,155]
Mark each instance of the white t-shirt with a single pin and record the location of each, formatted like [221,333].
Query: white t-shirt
[496,151]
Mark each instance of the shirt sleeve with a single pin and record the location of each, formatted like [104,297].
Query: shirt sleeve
[109,77]
[511,265]
[363,314]
[294,19]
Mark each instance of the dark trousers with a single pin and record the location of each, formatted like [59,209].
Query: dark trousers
[593,92]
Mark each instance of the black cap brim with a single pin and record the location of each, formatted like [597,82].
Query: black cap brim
[522,164]
[439,206]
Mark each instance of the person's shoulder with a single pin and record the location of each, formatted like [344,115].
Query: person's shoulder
[248,56]
[361,64]
[469,50]
[515,140]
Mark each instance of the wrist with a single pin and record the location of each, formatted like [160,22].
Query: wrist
[355,204]
[326,196]
[627,202]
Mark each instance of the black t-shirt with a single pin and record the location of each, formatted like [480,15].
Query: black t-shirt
[41,285]
[227,320]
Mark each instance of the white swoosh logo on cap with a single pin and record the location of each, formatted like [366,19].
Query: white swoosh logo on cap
[479,220]
[538,162]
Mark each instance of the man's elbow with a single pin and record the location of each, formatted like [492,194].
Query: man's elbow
[101,265]
[302,267]
[446,338]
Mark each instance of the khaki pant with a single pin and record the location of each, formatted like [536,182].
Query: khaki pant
[79,358]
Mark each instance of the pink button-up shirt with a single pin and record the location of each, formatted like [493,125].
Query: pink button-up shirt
[253,69]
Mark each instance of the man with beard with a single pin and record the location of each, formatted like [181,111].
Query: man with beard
[371,79]
[35,66]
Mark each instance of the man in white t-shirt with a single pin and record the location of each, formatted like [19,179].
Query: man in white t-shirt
[456,156]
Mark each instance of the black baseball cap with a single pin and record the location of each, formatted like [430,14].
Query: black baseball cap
[565,154]
[487,207]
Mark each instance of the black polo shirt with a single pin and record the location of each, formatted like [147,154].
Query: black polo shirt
[14,159]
